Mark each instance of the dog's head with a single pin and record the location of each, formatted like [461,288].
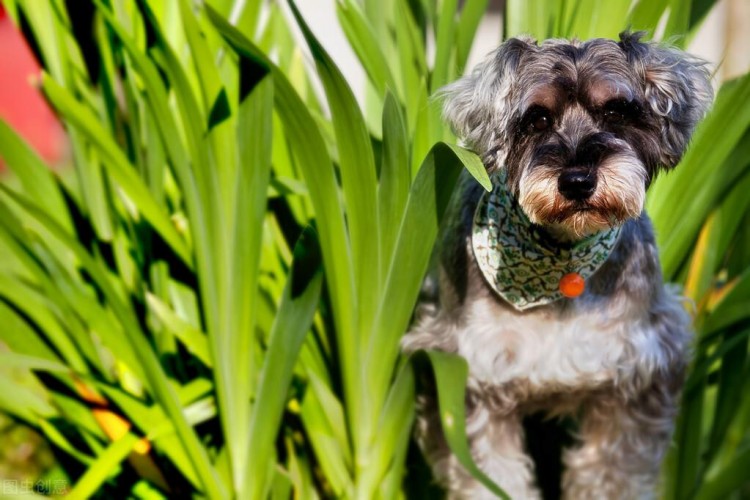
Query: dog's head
[581,127]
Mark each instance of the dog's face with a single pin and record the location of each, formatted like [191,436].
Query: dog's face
[581,127]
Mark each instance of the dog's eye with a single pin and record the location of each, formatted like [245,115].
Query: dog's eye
[541,122]
[538,119]
[612,116]
[618,111]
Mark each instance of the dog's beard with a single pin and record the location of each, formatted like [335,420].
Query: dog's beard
[619,195]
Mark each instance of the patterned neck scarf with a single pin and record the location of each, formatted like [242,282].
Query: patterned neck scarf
[518,262]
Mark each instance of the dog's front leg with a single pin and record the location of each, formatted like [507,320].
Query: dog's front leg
[497,446]
[623,443]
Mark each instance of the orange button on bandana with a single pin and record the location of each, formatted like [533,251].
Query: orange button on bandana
[572,285]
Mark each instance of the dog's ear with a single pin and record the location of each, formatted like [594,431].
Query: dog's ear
[677,88]
[476,106]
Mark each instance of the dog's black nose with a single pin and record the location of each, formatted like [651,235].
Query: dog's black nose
[577,184]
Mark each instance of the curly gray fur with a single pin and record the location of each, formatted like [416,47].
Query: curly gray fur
[615,357]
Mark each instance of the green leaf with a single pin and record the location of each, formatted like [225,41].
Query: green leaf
[699,10]
[427,126]
[473,164]
[594,19]
[194,340]
[159,430]
[15,360]
[117,164]
[532,17]
[155,375]
[678,21]
[395,179]
[300,473]
[472,13]
[427,202]
[78,413]
[365,43]
[393,431]
[20,337]
[733,308]
[59,440]
[323,417]
[689,436]
[412,63]
[728,480]
[222,160]
[220,110]
[62,59]
[731,375]
[239,368]
[358,178]
[37,179]
[645,14]
[64,297]
[678,204]
[293,320]
[714,239]
[104,467]
[444,69]
[314,161]
[23,402]
[451,372]
[704,363]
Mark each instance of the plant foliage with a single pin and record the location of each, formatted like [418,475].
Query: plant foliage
[212,298]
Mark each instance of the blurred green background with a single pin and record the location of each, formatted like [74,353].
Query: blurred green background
[204,296]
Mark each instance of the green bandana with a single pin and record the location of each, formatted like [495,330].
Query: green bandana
[515,258]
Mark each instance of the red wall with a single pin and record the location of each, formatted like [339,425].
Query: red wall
[21,104]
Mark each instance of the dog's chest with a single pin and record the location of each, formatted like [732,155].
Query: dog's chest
[547,349]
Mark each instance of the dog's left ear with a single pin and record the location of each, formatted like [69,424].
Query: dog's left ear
[477,106]
[677,87]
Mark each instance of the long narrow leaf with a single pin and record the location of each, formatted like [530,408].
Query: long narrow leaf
[118,165]
[154,372]
[100,470]
[451,372]
[37,179]
[293,320]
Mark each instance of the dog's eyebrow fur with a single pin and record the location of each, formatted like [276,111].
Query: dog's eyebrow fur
[600,91]
[566,84]
[551,96]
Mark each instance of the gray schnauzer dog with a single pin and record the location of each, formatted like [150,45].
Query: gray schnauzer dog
[550,285]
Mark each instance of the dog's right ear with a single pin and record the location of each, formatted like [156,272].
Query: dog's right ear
[677,88]
[476,106]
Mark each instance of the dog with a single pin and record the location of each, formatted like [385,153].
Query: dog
[550,285]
